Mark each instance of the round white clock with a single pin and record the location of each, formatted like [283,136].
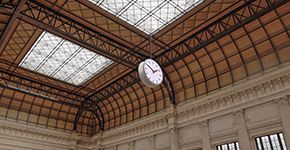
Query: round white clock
[150,73]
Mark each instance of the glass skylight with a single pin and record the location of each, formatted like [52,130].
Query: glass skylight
[147,15]
[64,60]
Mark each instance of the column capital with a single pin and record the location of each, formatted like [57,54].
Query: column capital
[239,114]
[151,137]
[173,130]
[203,124]
[282,101]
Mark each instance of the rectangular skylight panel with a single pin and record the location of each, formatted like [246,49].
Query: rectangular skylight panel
[151,24]
[94,65]
[150,5]
[63,60]
[136,12]
[170,10]
[87,70]
[114,6]
[79,77]
[49,66]
[33,63]
[81,59]
[58,55]
[185,4]
[64,72]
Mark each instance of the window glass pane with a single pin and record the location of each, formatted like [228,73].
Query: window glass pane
[258,144]
[282,141]
[266,143]
[232,146]
[275,142]
[225,147]
[237,145]
[228,146]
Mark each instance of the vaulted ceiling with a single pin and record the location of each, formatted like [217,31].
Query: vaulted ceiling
[71,64]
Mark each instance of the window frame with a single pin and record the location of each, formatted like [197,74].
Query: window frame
[236,145]
[260,145]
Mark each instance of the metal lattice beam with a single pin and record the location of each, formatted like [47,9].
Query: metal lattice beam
[38,95]
[9,4]
[19,81]
[38,88]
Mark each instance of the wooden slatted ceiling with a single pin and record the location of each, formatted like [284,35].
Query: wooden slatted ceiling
[257,46]
[6,11]
[202,15]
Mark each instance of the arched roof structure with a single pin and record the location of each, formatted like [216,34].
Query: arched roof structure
[215,44]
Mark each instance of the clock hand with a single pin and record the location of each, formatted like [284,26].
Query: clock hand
[150,68]
[155,71]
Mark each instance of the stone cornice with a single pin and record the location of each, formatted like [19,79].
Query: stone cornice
[23,131]
[147,127]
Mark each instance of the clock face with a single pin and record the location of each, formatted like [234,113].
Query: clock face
[153,71]
[150,73]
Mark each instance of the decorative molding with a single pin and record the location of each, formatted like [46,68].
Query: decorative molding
[138,130]
[22,131]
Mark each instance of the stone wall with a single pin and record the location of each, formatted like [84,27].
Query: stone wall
[257,106]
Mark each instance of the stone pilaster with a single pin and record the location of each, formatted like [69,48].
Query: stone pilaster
[284,111]
[173,132]
[173,139]
[73,145]
[152,142]
[115,148]
[131,145]
[243,135]
[206,144]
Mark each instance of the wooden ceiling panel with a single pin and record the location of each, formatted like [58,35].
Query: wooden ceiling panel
[192,20]
[143,103]
[31,109]
[210,61]
[244,52]
[16,45]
